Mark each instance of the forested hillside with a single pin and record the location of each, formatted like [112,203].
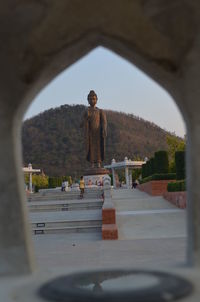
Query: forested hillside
[54,142]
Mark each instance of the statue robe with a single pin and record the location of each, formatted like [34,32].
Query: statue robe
[95,132]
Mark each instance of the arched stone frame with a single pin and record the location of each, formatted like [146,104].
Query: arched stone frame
[34,64]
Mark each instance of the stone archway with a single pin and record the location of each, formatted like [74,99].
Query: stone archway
[41,39]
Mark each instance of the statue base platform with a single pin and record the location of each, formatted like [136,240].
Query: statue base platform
[94,176]
[96,171]
[93,180]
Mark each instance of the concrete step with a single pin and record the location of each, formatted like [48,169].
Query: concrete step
[71,229]
[73,190]
[66,222]
[65,196]
[71,205]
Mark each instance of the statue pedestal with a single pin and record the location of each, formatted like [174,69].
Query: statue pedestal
[94,176]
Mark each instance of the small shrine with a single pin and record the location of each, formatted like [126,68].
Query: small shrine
[128,165]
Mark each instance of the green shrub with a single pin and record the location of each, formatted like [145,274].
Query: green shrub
[146,179]
[57,181]
[163,176]
[148,168]
[39,181]
[144,174]
[52,182]
[161,162]
[152,164]
[183,185]
[172,187]
[176,186]
[180,164]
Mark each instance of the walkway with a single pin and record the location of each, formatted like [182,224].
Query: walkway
[140,216]
[151,230]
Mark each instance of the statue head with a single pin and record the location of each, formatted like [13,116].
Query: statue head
[92,98]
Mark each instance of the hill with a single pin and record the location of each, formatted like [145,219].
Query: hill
[53,140]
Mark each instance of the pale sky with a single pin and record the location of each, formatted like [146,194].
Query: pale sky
[119,85]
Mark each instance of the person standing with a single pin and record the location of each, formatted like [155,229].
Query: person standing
[82,187]
[63,186]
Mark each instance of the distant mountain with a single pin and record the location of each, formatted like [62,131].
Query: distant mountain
[53,140]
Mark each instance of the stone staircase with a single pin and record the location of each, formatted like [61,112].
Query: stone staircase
[70,205]
[57,213]
[55,195]
[67,224]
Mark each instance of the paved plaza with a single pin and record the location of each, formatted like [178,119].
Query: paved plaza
[152,232]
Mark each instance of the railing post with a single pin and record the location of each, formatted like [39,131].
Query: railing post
[109,227]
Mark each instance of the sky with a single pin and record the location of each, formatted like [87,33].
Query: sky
[119,85]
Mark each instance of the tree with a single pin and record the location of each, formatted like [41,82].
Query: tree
[175,144]
[40,181]
[26,178]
